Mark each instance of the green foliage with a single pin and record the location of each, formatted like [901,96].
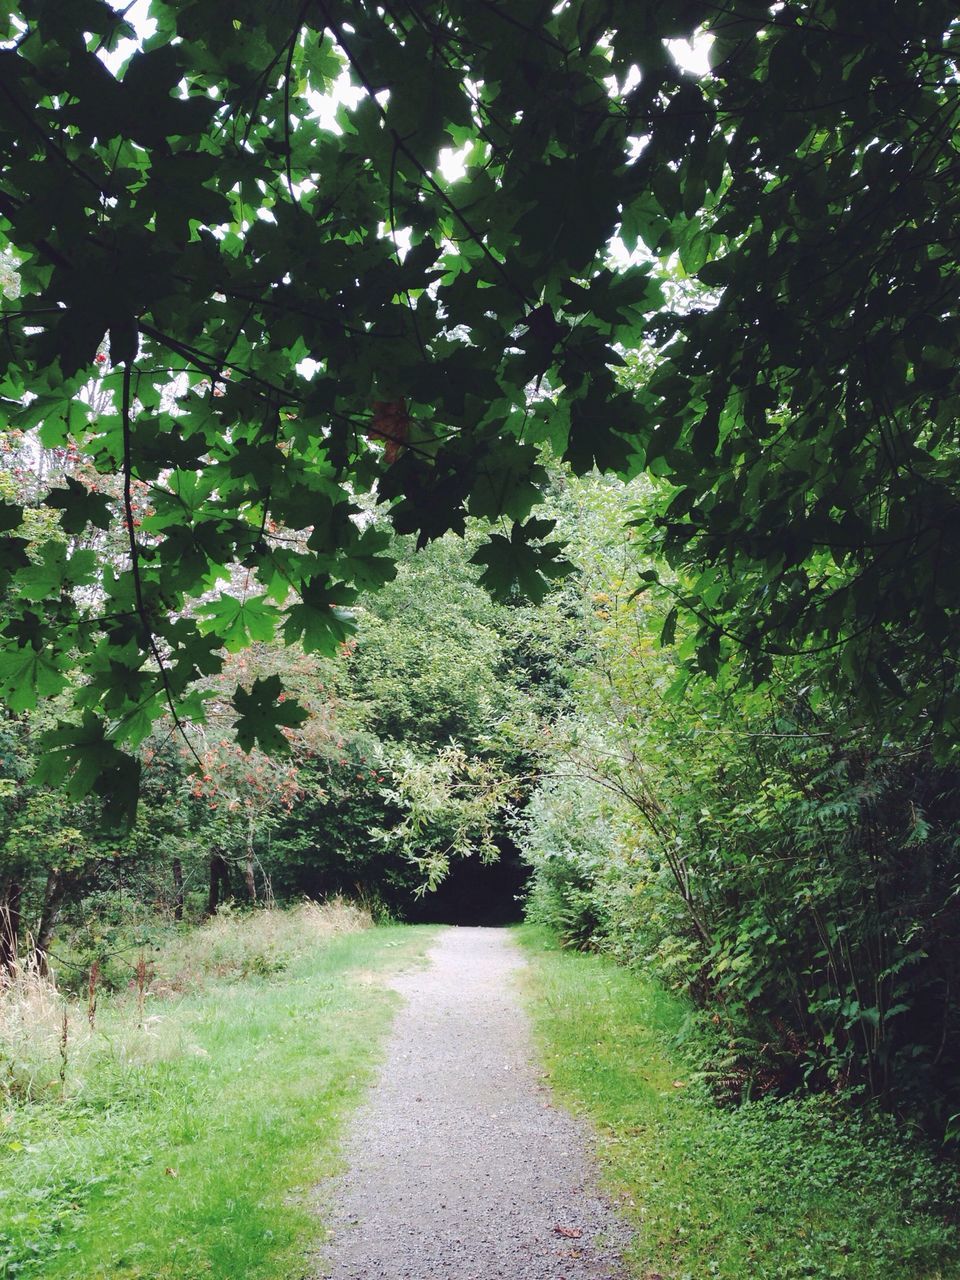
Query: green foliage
[248,316]
[763,849]
[429,659]
[328,842]
[439,700]
[569,834]
[775,1188]
[400,755]
[450,805]
[807,421]
[243,308]
[258,720]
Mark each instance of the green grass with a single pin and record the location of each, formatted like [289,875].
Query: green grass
[189,1149]
[772,1189]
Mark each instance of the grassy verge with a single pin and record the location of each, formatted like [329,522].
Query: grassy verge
[188,1148]
[773,1189]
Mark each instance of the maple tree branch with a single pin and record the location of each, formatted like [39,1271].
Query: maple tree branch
[287,72]
[142,613]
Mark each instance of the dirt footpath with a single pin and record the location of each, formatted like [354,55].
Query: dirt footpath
[460,1166]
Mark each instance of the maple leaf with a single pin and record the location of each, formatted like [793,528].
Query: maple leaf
[25,674]
[263,717]
[83,760]
[11,516]
[237,622]
[514,564]
[79,506]
[317,620]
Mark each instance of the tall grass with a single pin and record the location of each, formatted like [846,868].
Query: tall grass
[40,1034]
[256,944]
[186,1147]
[48,1040]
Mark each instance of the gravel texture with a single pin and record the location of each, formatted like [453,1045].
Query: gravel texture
[459,1165]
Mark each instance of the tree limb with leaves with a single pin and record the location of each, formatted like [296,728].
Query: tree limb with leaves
[275,283]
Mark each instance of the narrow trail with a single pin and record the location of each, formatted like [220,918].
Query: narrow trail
[460,1167]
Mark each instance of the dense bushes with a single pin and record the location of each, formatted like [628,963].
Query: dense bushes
[770,853]
[570,835]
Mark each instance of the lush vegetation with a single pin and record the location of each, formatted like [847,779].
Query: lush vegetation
[242,1051]
[254,287]
[442,430]
[794,1189]
[786,874]
[419,735]
[764,848]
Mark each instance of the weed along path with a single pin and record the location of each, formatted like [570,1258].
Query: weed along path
[459,1165]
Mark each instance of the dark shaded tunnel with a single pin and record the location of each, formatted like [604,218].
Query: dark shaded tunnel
[476,893]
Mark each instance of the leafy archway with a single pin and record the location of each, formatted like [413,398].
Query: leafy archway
[249,294]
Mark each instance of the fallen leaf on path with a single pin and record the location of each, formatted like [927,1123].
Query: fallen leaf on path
[568,1233]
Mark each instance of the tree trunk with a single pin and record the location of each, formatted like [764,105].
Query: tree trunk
[177,889]
[52,902]
[219,880]
[248,875]
[9,924]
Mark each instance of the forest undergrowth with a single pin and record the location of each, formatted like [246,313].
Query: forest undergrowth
[773,1189]
[238,1048]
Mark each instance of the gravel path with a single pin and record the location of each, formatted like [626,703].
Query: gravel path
[460,1167]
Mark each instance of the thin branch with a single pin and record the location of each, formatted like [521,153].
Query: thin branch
[396,248]
[427,176]
[135,562]
[287,72]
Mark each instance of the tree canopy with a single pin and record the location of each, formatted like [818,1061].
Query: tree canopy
[252,288]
